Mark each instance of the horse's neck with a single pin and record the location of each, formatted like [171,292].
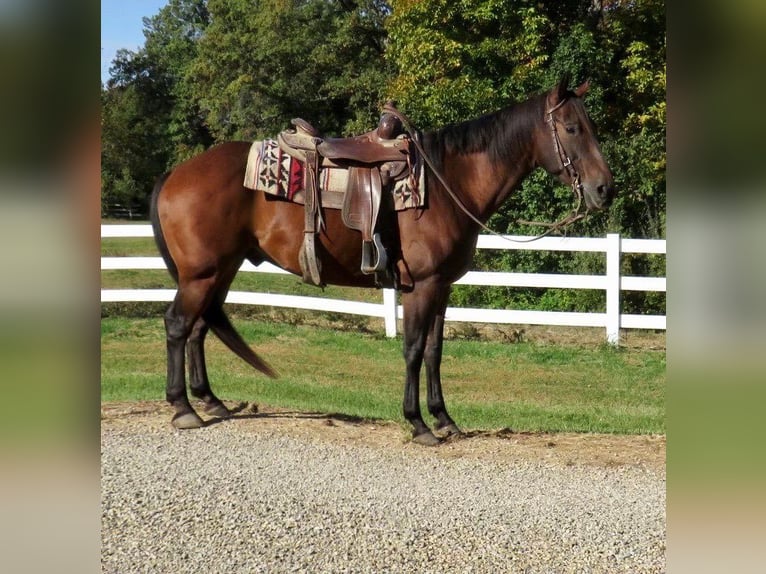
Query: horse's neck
[507,179]
[485,185]
[482,181]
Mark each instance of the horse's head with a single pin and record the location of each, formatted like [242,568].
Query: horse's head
[567,147]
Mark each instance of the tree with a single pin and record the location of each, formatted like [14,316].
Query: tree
[149,119]
[457,60]
[134,142]
[262,64]
[172,44]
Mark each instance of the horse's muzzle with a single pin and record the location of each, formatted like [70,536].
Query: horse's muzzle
[599,196]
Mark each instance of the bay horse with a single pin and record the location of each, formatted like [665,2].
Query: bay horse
[206,223]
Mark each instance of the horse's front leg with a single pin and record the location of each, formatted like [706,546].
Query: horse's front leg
[433,360]
[420,308]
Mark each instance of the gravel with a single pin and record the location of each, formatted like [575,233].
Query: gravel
[234,497]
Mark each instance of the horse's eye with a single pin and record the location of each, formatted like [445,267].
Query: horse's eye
[571,129]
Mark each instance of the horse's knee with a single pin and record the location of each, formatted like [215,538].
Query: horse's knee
[175,325]
[432,353]
[413,354]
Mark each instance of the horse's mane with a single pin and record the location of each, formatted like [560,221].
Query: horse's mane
[503,134]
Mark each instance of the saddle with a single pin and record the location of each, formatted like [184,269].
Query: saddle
[375,160]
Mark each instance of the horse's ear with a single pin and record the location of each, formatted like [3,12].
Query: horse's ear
[561,90]
[582,89]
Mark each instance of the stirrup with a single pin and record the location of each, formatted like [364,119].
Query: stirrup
[374,249]
[311,266]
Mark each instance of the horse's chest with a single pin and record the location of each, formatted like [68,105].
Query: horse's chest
[437,254]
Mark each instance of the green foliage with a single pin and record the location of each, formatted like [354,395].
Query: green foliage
[457,60]
[134,147]
[262,64]
[172,44]
[460,59]
[150,120]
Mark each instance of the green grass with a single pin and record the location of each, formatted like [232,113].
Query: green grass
[488,385]
[128,247]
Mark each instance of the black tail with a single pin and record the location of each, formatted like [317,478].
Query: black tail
[225,331]
[159,238]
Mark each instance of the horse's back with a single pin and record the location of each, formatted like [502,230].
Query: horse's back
[221,167]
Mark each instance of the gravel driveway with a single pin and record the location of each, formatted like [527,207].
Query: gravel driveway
[282,492]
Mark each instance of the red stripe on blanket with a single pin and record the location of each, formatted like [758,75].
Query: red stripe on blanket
[295,183]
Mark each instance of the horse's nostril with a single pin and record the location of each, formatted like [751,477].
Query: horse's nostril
[605,191]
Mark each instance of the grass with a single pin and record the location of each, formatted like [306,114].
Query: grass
[128,247]
[526,386]
[340,364]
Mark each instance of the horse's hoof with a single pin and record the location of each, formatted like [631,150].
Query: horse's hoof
[426,439]
[450,431]
[217,410]
[187,421]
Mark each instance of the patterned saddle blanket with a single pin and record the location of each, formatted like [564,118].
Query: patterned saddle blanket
[277,173]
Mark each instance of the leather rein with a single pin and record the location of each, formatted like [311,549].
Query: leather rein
[566,165]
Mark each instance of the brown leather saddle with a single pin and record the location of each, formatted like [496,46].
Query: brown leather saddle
[374,160]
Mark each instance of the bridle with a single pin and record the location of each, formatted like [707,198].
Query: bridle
[566,164]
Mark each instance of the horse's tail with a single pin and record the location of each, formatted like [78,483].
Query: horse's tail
[159,238]
[218,321]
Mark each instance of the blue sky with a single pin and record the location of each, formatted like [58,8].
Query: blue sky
[122,27]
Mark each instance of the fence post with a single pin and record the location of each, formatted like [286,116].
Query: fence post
[613,249]
[389,311]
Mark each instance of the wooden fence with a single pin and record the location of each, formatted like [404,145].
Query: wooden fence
[612,320]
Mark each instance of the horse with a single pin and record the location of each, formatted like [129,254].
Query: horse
[206,223]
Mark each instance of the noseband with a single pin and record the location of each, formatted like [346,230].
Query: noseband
[566,162]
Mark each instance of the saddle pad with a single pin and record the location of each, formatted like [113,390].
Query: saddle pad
[272,171]
[407,196]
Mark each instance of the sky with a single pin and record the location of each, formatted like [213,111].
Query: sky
[122,27]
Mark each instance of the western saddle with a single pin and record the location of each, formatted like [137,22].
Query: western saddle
[374,161]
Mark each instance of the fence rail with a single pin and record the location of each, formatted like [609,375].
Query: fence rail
[612,320]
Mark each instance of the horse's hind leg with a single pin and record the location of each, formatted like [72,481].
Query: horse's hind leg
[198,379]
[177,331]
[180,320]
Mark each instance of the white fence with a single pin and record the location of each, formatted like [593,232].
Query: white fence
[613,246]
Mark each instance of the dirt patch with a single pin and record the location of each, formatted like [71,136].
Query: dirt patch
[646,451]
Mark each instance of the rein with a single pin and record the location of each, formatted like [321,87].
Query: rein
[566,165]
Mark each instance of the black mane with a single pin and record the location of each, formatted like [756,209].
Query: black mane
[504,134]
